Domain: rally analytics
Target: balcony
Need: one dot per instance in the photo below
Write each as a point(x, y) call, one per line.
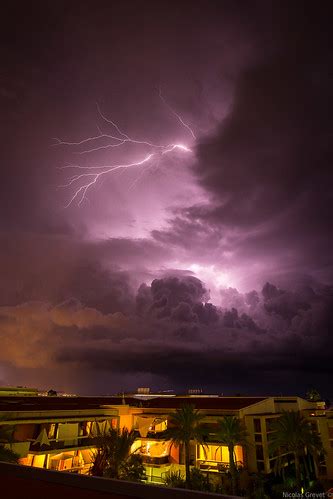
point(152, 435)
point(156, 461)
point(216, 466)
point(157, 435)
point(62, 444)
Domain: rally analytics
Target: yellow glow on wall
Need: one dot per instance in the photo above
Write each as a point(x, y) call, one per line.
point(219, 453)
point(38, 461)
point(126, 421)
point(162, 426)
point(27, 461)
point(239, 453)
point(151, 448)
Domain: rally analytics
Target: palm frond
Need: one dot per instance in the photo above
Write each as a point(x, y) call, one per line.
point(231, 431)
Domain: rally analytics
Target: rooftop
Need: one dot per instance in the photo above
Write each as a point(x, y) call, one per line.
point(19, 403)
point(25, 404)
point(221, 403)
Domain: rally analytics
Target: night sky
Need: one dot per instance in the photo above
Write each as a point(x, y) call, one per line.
point(166, 200)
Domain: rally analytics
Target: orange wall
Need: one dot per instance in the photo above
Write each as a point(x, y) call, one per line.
point(174, 454)
point(23, 432)
point(126, 422)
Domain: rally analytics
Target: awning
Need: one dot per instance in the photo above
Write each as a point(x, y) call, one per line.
point(42, 438)
point(144, 423)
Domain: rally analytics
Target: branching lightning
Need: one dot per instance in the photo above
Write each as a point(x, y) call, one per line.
point(177, 115)
point(84, 178)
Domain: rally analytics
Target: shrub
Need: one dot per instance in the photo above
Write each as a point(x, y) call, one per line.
point(132, 469)
point(174, 479)
point(199, 481)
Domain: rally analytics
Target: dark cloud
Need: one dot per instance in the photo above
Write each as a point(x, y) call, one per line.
point(280, 302)
point(187, 342)
point(269, 165)
point(57, 268)
point(306, 311)
point(178, 298)
point(221, 368)
point(184, 233)
point(267, 169)
point(159, 276)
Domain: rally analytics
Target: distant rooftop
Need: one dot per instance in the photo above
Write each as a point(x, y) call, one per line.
point(22, 403)
point(17, 390)
point(202, 402)
point(55, 403)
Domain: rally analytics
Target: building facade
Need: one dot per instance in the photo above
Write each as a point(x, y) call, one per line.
point(59, 433)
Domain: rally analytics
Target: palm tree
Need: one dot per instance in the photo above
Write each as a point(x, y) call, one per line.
point(313, 395)
point(6, 437)
point(232, 432)
point(294, 435)
point(113, 450)
point(99, 461)
point(185, 425)
point(7, 455)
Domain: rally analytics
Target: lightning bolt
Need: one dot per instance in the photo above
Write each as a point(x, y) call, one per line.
point(84, 178)
point(178, 116)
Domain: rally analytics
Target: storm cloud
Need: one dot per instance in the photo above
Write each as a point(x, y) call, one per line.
point(212, 268)
point(178, 337)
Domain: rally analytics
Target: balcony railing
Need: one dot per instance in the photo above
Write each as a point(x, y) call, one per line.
point(156, 461)
point(18, 481)
point(152, 435)
point(220, 466)
point(157, 435)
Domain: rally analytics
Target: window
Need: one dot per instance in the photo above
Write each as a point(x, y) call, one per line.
point(259, 453)
point(218, 453)
point(37, 430)
point(213, 453)
point(52, 432)
point(257, 425)
point(270, 424)
point(83, 431)
point(89, 428)
point(272, 463)
point(261, 466)
point(258, 438)
point(314, 426)
point(114, 423)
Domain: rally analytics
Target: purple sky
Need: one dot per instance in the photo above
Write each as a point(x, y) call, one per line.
point(158, 278)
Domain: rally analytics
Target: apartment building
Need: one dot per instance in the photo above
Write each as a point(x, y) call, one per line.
point(55, 432)
point(60, 432)
point(257, 414)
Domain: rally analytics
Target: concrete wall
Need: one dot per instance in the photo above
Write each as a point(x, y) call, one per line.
point(324, 425)
point(19, 482)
